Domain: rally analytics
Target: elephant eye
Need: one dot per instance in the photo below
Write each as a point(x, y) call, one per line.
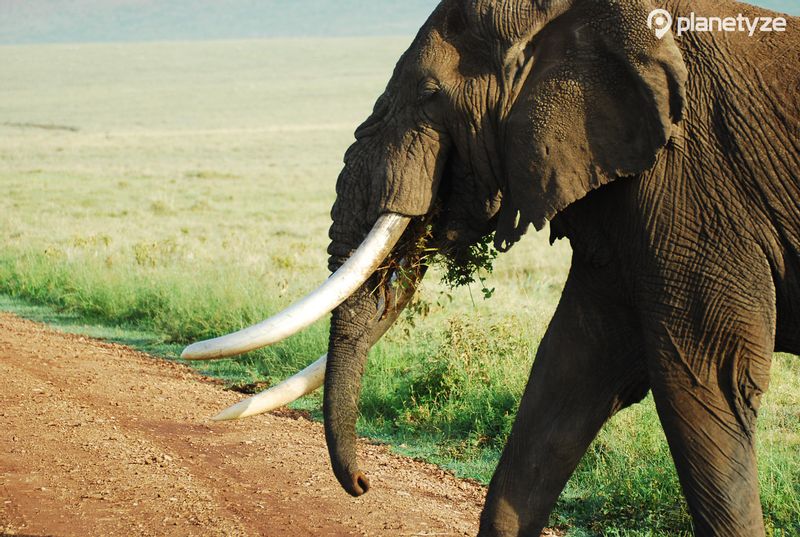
point(428, 88)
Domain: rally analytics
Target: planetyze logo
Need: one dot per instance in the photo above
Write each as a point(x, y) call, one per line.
point(661, 20)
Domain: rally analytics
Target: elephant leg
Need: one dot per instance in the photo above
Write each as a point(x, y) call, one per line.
point(589, 365)
point(709, 365)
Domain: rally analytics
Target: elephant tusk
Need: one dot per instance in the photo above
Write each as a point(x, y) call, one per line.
point(295, 387)
point(335, 290)
point(312, 377)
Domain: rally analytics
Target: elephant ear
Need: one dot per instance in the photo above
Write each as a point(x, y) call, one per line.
point(599, 102)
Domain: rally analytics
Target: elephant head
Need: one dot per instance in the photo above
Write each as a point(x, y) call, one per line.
point(499, 115)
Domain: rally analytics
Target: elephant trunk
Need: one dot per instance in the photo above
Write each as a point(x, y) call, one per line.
point(347, 356)
point(355, 326)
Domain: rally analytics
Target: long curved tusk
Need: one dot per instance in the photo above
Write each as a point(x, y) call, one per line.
point(335, 290)
point(313, 376)
point(295, 387)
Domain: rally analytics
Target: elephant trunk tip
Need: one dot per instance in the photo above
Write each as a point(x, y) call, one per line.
point(354, 483)
point(357, 485)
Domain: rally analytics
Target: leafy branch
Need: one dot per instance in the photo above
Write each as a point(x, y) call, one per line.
point(466, 264)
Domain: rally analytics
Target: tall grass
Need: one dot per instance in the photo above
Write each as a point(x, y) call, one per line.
point(186, 193)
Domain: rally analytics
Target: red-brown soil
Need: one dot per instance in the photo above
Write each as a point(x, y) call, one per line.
point(99, 439)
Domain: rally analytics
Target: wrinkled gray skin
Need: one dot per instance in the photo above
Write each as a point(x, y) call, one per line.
point(671, 166)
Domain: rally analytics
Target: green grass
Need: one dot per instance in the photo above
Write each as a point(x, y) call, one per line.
point(156, 194)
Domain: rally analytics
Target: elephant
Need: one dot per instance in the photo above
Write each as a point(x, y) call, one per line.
point(671, 165)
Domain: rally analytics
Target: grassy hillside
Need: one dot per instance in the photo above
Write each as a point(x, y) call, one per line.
point(184, 189)
point(34, 21)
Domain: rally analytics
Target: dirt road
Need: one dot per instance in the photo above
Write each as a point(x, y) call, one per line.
point(98, 439)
